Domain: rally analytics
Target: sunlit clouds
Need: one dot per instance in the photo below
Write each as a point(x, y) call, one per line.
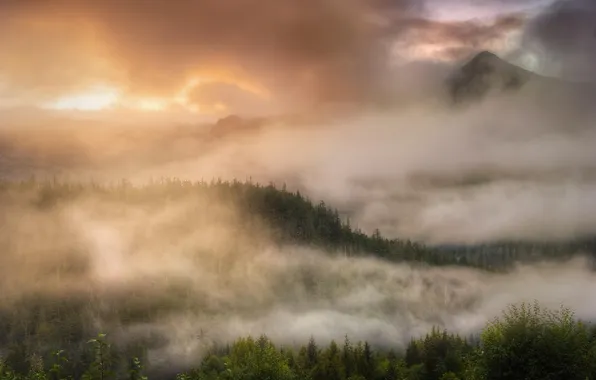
point(206, 57)
point(208, 94)
point(94, 100)
point(346, 101)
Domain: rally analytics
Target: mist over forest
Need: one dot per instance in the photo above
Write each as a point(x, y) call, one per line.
point(367, 171)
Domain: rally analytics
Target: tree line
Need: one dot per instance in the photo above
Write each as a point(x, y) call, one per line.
point(32, 325)
point(527, 342)
point(293, 218)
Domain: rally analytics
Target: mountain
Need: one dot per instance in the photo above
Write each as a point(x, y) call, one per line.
point(486, 74)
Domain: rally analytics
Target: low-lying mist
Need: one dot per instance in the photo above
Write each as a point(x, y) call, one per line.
point(507, 167)
point(327, 100)
point(183, 272)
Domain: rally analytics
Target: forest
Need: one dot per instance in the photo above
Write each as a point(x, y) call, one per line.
point(295, 219)
point(527, 342)
point(45, 334)
point(297, 190)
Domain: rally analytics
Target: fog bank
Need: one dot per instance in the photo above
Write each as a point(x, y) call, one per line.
point(185, 272)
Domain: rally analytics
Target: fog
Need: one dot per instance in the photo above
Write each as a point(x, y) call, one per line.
point(188, 271)
point(330, 102)
point(504, 168)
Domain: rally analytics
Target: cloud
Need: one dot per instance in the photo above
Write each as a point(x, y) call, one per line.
point(329, 52)
point(194, 272)
point(454, 40)
point(44, 58)
point(328, 48)
point(564, 39)
point(505, 168)
point(220, 98)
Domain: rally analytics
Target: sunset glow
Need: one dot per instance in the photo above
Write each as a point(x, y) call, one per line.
point(107, 97)
point(93, 100)
point(297, 190)
point(151, 104)
point(96, 56)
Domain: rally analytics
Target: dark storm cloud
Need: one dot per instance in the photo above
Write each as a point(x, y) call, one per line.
point(564, 38)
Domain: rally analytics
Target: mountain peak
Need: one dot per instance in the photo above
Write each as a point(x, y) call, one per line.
point(486, 72)
point(485, 62)
point(486, 56)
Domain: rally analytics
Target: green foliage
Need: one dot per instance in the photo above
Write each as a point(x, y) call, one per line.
point(36, 371)
point(100, 368)
point(329, 365)
point(530, 342)
point(436, 354)
point(57, 371)
point(7, 373)
point(136, 370)
point(449, 376)
point(256, 360)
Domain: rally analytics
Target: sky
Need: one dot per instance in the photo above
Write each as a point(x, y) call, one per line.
point(207, 58)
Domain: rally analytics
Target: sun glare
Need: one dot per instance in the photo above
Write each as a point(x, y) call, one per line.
point(151, 104)
point(106, 97)
point(95, 100)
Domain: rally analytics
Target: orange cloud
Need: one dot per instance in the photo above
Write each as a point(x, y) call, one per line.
point(45, 57)
point(331, 51)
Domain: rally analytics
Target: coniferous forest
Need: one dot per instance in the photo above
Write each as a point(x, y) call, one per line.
point(295, 219)
point(46, 335)
point(423, 203)
point(526, 342)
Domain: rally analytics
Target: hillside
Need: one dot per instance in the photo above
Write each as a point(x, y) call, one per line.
point(159, 266)
point(289, 217)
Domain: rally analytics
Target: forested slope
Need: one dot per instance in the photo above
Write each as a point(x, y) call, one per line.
point(293, 218)
point(53, 301)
